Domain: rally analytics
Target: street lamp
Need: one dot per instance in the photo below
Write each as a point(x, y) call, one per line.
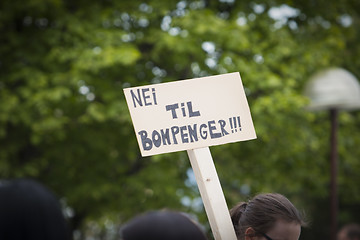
point(333, 89)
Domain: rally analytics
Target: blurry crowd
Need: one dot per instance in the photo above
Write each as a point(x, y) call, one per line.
point(30, 211)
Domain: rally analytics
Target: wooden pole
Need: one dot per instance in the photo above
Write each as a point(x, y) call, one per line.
point(211, 194)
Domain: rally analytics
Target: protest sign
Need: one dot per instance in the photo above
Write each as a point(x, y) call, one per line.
point(193, 115)
point(190, 114)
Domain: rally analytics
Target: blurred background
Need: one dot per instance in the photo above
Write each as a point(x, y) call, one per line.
point(64, 120)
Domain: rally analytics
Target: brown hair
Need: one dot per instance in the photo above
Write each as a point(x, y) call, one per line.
point(261, 213)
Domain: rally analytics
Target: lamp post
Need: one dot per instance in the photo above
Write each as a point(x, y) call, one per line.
point(333, 89)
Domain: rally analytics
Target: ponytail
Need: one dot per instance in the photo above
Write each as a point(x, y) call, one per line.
point(236, 213)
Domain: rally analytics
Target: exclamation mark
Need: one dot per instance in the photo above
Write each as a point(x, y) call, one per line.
point(235, 124)
point(231, 125)
point(238, 118)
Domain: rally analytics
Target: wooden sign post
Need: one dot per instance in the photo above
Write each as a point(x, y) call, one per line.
point(193, 115)
point(211, 193)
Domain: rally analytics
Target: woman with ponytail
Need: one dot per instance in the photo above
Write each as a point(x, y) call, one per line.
point(269, 216)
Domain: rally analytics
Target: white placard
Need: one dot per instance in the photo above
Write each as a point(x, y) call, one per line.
point(190, 114)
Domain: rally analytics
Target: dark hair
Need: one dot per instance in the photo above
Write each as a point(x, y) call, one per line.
point(29, 211)
point(162, 225)
point(261, 213)
point(351, 231)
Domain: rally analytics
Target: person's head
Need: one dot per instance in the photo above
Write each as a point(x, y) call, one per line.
point(349, 232)
point(162, 225)
point(265, 217)
point(29, 211)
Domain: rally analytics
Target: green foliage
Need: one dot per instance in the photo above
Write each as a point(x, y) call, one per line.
point(64, 120)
